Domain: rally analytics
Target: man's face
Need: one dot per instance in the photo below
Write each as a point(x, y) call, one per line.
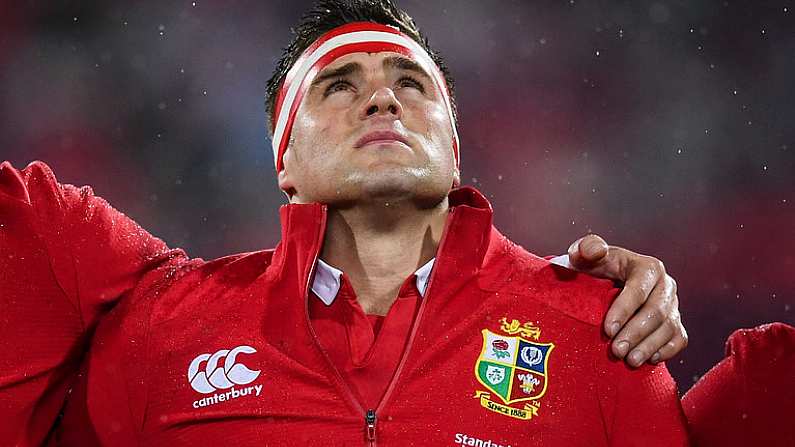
point(372, 127)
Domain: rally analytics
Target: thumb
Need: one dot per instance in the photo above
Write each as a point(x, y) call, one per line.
point(587, 251)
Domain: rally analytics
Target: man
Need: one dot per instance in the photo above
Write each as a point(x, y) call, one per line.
point(439, 331)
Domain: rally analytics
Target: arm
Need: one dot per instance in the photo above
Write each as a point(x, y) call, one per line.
point(644, 321)
point(66, 257)
point(748, 398)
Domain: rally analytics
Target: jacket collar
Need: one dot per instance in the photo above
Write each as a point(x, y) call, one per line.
point(461, 252)
point(328, 280)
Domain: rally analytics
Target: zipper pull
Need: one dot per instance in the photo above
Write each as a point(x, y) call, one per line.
point(369, 420)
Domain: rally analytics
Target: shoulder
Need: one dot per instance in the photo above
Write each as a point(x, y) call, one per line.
point(566, 291)
point(768, 343)
point(36, 182)
point(747, 398)
point(180, 288)
point(49, 203)
point(30, 191)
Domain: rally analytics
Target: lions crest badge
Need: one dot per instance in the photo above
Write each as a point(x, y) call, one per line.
point(513, 369)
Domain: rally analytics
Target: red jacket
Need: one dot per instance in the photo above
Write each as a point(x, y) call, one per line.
point(749, 397)
point(66, 257)
point(506, 348)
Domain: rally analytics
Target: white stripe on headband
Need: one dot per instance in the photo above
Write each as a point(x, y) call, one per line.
point(355, 37)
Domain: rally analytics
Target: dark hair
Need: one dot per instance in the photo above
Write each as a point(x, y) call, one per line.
point(329, 14)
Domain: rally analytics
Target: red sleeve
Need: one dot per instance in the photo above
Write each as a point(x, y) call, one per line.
point(749, 397)
point(66, 257)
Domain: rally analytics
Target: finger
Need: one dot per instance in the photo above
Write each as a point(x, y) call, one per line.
point(575, 245)
point(651, 344)
point(658, 306)
point(650, 317)
point(643, 277)
point(613, 265)
point(587, 251)
point(673, 346)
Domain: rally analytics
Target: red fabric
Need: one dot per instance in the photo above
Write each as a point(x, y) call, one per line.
point(749, 397)
point(376, 321)
point(162, 362)
point(66, 257)
point(365, 348)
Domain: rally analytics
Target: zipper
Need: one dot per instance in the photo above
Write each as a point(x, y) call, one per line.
point(369, 419)
point(369, 422)
point(417, 321)
point(371, 415)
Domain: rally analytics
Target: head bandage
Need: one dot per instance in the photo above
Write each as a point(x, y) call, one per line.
point(350, 38)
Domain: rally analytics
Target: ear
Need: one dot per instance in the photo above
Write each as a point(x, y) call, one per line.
point(286, 182)
point(456, 177)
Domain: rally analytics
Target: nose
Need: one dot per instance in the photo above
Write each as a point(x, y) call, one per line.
point(382, 102)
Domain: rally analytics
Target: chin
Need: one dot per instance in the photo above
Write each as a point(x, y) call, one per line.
point(399, 183)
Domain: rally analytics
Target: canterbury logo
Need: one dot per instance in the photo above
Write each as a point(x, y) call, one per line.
point(215, 377)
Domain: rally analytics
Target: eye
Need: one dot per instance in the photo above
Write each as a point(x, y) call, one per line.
point(337, 86)
point(411, 82)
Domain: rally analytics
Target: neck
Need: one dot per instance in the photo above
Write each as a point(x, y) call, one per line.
point(379, 245)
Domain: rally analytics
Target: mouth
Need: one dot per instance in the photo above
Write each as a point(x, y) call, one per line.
point(380, 137)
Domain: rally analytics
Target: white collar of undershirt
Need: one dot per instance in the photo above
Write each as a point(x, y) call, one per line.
point(327, 281)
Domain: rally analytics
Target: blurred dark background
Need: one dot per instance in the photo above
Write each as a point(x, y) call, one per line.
point(664, 126)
